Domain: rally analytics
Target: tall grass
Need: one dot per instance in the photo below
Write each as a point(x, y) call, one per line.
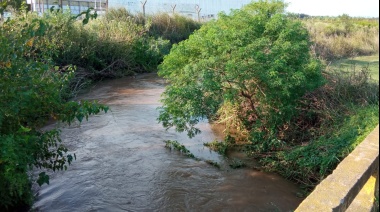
point(342, 37)
point(172, 27)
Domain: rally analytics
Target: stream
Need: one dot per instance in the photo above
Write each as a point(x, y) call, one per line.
point(122, 163)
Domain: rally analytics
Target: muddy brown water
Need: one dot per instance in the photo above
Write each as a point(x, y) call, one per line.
point(122, 163)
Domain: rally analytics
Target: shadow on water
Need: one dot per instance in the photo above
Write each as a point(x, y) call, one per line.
point(122, 164)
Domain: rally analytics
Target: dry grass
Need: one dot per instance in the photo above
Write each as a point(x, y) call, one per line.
point(336, 38)
point(167, 26)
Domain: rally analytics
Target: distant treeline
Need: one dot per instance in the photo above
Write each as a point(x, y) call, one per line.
point(303, 15)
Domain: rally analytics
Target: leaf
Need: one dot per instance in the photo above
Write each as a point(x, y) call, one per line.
point(23, 129)
point(80, 117)
point(52, 9)
point(85, 21)
point(43, 178)
point(30, 42)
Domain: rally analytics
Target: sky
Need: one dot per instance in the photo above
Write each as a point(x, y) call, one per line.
point(354, 8)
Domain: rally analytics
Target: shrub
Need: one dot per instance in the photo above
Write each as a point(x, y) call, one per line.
point(43, 61)
point(104, 48)
point(333, 120)
point(175, 28)
point(32, 91)
point(256, 58)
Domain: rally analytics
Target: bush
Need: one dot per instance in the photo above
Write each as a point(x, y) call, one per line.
point(333, 120)
point(255, 59)
point(175, 28)
point(103, 48)
point(45, 60)
point(32, 91)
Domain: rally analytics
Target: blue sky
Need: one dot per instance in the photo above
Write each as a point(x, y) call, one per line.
point(354, 8)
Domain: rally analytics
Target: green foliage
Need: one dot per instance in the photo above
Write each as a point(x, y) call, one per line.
point(256, 58)
point(180, 147)
point(236, 164)
point(311, 163)
point(177, 146)
point(10, 5)
point(334, 120)
point(114, 45)
point(220, 147)
point(32, 92)
point(103, 48)
point(175, 28)
point(44, 60)
point(213, 163)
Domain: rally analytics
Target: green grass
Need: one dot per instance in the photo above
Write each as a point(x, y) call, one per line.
point(310, 163)
point(362, 61)
point(339, 116)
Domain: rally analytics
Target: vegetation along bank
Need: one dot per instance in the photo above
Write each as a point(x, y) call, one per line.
point(264, 74)
point(268, 77)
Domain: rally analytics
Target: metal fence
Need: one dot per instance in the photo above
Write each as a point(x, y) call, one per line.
point(196, 9)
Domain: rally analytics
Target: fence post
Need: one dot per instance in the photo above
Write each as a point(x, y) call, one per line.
point(143, 6)
point(198, 9)
point(173, 8)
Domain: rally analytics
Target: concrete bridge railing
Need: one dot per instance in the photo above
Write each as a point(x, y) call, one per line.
point(353, 185)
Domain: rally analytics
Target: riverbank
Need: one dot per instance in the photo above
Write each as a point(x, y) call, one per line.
point(45, 60)
point(341, 114)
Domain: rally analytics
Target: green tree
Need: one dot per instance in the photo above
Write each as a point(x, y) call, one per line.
point(255, 59)
point(9, 4)
point(32, 91)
